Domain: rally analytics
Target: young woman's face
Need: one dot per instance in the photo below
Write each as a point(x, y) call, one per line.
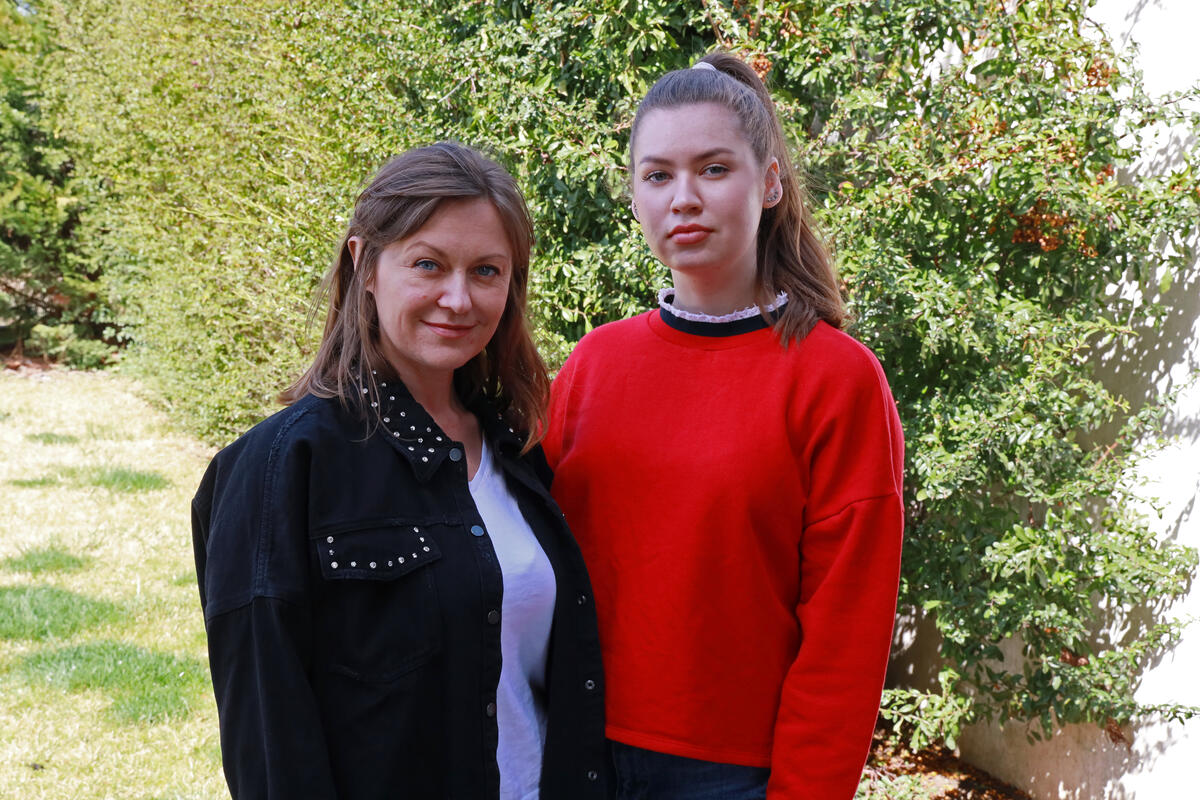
point(441, 291)
point(699, 191)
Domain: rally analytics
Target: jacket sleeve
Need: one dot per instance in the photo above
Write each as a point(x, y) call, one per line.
point(249, 525)
point(850, 569)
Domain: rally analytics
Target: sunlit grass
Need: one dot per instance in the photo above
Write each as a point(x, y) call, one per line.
point(104, 689)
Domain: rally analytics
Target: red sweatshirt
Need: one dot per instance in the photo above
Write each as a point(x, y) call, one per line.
point(739, 507)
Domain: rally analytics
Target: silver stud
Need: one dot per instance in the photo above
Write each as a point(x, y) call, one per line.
point(419, 439)
point(414, 555)
point(374, 404)
point(439, 438)
point(409, 449)
point(429, 430)
point(431, 449)
point(390, 563)
point(421, 538)
point(396, 434)
point(354, 563)
point(400, 559)
point(412, 427)
point(425, 458)
point(372, 565)
point(364, 390)
point(373, 372)
point(403, 414)
point(330, 540)
point(330, 552)
point(416, 529)
point(387, 419)
point(425, 548)
point(334, 565)
point(391, 397)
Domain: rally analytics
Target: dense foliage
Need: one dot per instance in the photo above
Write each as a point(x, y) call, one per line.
point(50, 299)
point(970, 164)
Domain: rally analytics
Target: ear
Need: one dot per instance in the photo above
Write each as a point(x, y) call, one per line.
point(773, 186)
point(633, 208)
point(355, 245)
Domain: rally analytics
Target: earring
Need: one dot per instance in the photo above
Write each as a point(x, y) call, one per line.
point(773, 197)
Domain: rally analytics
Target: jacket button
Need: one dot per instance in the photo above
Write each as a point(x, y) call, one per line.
point(589, 684)
point(456, 454)
point(592, 775)
point(582, 600)
point(493, 616)
point(490, 710)
point(476, 530)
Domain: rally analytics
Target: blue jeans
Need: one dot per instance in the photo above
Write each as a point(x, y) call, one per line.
point(638, 774)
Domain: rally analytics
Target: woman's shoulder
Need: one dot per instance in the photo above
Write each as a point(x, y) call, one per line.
point(616, 333)
point(309, 419)
point(832, 348)
point(838, 368)
point(608, 342)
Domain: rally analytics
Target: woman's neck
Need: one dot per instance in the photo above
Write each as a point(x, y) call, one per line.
point(714, 297)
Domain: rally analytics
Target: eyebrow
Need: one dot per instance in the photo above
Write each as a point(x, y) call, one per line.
point(442, 253)
point(707, 154)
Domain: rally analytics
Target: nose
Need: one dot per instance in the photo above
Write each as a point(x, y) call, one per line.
point(686, 197)
point(455, 295)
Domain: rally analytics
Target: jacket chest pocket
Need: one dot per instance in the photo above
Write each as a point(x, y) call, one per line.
point(378, 616)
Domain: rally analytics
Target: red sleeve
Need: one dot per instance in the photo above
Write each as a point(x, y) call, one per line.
point(850, 571)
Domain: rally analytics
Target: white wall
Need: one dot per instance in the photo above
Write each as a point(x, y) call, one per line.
point(1160, 761)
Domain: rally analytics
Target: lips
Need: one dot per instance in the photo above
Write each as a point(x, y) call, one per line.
point(448, 331)
point(688, 234)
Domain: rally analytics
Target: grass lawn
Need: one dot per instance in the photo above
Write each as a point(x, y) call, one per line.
point(104, 688)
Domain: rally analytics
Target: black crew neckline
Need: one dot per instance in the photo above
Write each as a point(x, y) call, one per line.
point(734, 327)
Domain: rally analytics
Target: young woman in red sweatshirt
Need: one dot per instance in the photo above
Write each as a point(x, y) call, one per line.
point(731, 465)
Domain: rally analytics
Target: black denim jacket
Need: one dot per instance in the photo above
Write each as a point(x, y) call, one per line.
point(352, 595)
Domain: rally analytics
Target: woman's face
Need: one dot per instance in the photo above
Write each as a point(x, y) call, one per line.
point(441, 291)
point(699, 191)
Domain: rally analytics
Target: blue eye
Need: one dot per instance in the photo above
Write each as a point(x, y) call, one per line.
point(715, 169)
point(426, 265)
point(657, 176)
point(487, 270)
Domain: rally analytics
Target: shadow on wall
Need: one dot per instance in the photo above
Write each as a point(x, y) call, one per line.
point(1165, 354)
point(1079, 762)
point(916, 644)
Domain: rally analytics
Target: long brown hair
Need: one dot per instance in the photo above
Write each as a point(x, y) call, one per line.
point(791, 255)
point(400, 199)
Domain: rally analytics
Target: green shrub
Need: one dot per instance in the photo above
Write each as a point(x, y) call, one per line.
point(45, 276)
point(65, 343)
point(970, 165)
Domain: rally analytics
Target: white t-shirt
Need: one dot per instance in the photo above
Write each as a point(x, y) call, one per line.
point(526, 613)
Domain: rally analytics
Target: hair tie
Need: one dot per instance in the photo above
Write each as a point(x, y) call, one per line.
point(704, 65)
